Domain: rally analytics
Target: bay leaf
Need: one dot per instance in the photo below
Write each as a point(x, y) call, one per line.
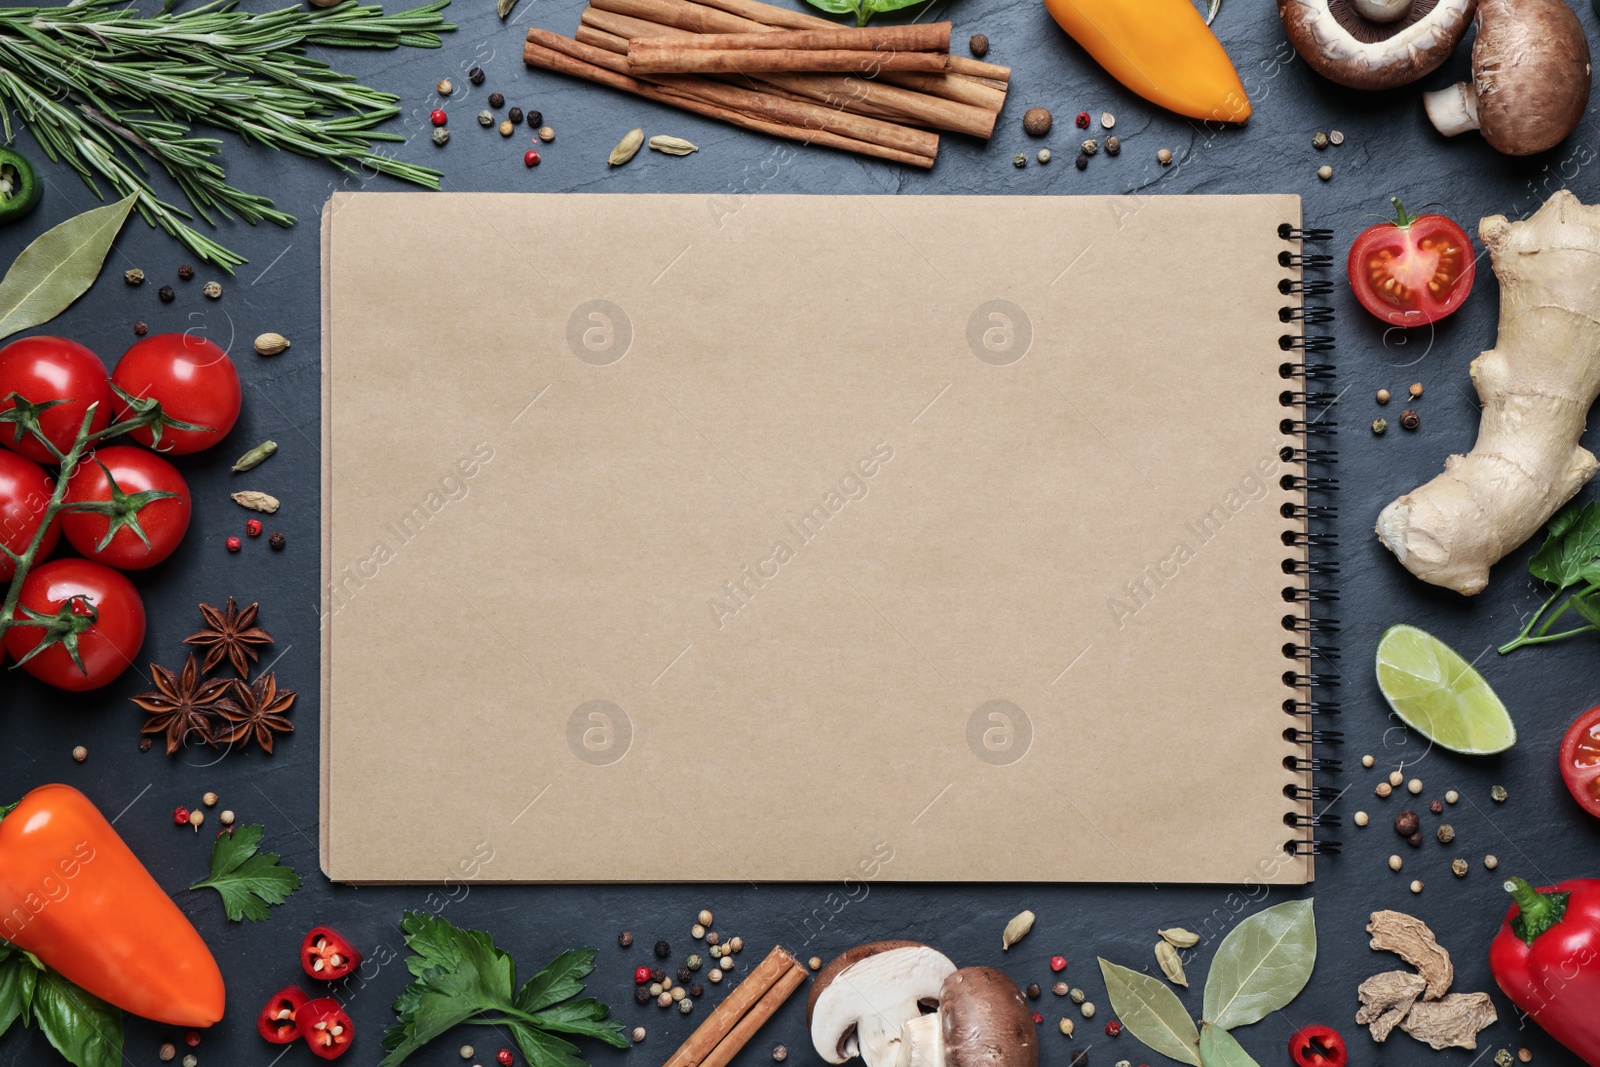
point(59, 266)
point(1261, 965)
point(1219, 1049)
point(1152, 1013)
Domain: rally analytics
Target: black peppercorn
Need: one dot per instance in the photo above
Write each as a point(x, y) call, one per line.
point(186, 272)
point(1082, 163)
point(1406, 823)
point(1415, 840)
point(978, 45)
point(144, 744)
point(166, 294)
point(697, 990)
point(1080, 1057)
point(1032, 991)
point(641, 994)
point(658, 975)
point(685, 976)
point(1409, 419)
point(276, 541)
point(475, 75)
point(625, 938)
point(663, 950)
point(497, 100)
point(535, 119)
point(140, 329)
point(515, 115)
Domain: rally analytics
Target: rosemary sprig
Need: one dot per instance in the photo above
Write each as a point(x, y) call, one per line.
point(104, 89)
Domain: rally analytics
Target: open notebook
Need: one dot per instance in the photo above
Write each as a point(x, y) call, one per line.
point(809, 537)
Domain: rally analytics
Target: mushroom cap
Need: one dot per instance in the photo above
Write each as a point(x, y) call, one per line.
point(985, 1022)
point(1344, 46)
point(873, 988)
point(1530, 68)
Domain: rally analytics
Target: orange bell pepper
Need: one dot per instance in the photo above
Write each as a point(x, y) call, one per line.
point(1161, 49)
point(73, 894)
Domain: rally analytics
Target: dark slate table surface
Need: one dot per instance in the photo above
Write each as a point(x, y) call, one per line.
point(1389, 150)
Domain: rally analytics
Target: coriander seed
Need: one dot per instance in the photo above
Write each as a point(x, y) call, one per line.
point(697, 931)
point(1416, 885)
point(638, 1034)
point(440, 136)
point(197, 819)
point(1490, 862)
point(475, 75)
point(546, 134)
point(678, 992)
point(1065, 1026)
point(166, 294)
point(1043, 155)
point(497, 100)
point(736, 944)
point(185, 272)
point(779, 1054)
point(226, 818)
point(134, 276)
point(1415, 390)
point(1361, 818)
point(79, 754)
point(1383, 396)
point(1335, 137)
point(815, 963)
point(444, 88)
point(166, 1052)
point(1445, 833)
point(712, 937)
point(1319, 140)
point(213, 290)
point(1325, 172)
point(714, 975)
point(486, 117)
point(1414, 787)
point(506, 128)
point(1019, 161)
point(1458, 867)
point(1367, 761)
point(978, 45)
point(1525, 1055)
point(1164, 156)
point(664, 1000)
point(705, 918)
point(1396, 778)
point(655, 989)
point(1379, 428)
point(1383, 789)
point(1113, 145)
point(1498, 794)
point(515, 116)
point(209, 800)
point(1036, 121)
point(625, 939)
point(1395, 863)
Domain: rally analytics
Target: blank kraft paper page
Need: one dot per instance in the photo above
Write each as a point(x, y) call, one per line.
point(806, 537)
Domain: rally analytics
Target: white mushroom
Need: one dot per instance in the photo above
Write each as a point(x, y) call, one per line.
point(862, 1000)
point(982, 1021)
point(1375, 44)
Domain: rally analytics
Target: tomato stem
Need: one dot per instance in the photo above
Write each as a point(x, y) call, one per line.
point(1402, 217)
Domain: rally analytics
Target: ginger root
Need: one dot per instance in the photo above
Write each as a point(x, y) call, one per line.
point(1536, 386)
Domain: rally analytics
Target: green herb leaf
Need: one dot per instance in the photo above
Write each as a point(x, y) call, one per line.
point(1571, 544)
point(545, 1050)
point(878, 7)
point(17, 980)
point(248, 881)
point(83, 1028)
point(837, 7)
point(561, 978)
point(1219, 1049)
point(59, 266)
point(1261, 965)
point(585, 1018)
point(1152, 1013)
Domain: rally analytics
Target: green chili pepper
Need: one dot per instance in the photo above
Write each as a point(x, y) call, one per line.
point(19, 186)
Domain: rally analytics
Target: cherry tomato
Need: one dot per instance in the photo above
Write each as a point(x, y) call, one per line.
point(25, 491)
point(1580, 760)
point(191, 379)
point(326, 1027)
point(144, 502)
point(276, 1021)
point(1414, 270)
point(93, 624)
point(42, 370)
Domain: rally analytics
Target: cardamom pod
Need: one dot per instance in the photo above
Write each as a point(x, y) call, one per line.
point(1016, 930)
point(672, 146)
point(256, 501)
point(1178, 937)
point(256, 456)
point(627, 147)
point(1171, 965)
point(270, 344)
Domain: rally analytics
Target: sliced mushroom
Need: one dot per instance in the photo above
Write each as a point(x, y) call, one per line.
point(1530, 78)
point(861, 1001)
point(1375, 44)
point(982, 1021)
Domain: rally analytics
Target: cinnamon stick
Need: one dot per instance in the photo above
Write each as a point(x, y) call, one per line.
point(735, 1007)
point(571, 57)
point(917, 37)
point(756, 1018)
point(645, 56)
point(862, 96)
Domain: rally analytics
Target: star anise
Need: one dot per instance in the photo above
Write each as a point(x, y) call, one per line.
point(183, 705)
point(231, 633)
point(261, 710)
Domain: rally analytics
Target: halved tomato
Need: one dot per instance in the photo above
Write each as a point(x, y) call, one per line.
point(1580, 760)
point(1414, 270)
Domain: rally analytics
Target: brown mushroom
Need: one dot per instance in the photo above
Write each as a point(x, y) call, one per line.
point(1375, 44)
point(861, 1001)
point(982, 1021)
point(1530, 78)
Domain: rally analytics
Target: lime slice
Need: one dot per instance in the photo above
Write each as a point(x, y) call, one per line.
point(1440, 695)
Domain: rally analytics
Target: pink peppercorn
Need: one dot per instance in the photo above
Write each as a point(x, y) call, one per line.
point(180, 816)
point(438, 118)
point(530, 158)
point(234, 544)
point(1058, 963)
point(1037, 1018)
point(253, 527)
point(1113, 1028)
point(1082, 120)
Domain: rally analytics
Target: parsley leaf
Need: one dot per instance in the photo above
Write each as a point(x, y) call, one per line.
point(247, 880)
point(461, 976)
point(1569, 559)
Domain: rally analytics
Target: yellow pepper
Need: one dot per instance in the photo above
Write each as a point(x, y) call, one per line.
point(1161, 49)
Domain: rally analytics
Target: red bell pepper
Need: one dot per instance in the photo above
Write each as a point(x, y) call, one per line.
point(276, 1021)
point(73, 894)
point(328, 955)
point(1546, 958)
point(326, 1027)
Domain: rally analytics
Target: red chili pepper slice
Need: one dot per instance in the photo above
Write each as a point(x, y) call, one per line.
point(327, 955)
point(326, 1027)
point(276, 1021)
point(1318, 1046)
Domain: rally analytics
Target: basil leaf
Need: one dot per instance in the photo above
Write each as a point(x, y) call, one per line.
point(83, 1028)
point(59, 266)
point(1219, 1049)
point(1261, 965)
point(874, 7)
point(1152, 1012)
point(17, 979)
point(837, 7)
point(561, 978)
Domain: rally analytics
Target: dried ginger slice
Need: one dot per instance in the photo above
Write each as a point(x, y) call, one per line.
point(1452, 1022)
point(1412, 941)
point(1385, 1000)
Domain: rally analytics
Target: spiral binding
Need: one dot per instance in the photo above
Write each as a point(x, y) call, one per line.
point(1309, 626)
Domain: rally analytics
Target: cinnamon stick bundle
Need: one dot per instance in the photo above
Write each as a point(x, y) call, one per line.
point(745, 1010)
point(670, 56)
